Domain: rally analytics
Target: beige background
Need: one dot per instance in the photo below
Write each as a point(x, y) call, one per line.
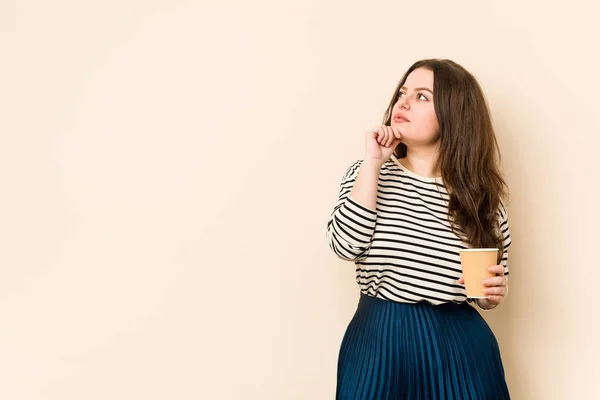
point(168, 168)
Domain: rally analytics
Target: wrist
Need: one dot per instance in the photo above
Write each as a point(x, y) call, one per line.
point(372, 163)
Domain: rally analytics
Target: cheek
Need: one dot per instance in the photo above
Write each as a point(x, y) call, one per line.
point(428, 123)
point(432, 119)
point(431, 126)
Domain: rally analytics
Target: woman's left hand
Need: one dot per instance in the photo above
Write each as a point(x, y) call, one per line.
point(496, 287)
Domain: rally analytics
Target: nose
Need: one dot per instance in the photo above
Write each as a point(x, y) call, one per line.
point(403, 103)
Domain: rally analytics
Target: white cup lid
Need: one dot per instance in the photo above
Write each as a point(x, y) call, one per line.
point(480, 250)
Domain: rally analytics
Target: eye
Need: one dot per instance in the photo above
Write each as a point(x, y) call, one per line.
point(422, 95)
point(400, 94)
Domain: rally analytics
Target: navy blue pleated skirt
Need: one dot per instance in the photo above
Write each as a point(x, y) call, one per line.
point(394, 351)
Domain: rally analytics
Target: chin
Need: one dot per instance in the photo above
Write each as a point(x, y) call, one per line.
point(406, 139)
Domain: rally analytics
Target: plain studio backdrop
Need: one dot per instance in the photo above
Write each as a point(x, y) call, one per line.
point(168, 168)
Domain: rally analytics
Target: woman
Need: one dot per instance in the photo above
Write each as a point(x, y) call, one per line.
point(428, 186)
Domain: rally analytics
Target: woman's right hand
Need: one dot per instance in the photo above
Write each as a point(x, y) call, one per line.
point(381, 141)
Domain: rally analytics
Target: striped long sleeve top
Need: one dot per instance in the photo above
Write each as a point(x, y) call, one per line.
point(404, 250)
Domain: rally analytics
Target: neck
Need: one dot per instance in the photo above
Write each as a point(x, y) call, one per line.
point(422, 161)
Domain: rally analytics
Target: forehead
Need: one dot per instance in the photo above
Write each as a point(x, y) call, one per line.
point(420, 77)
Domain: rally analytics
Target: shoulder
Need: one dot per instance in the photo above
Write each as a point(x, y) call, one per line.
point(352, 170)
point(503, 211)
point(503, 220)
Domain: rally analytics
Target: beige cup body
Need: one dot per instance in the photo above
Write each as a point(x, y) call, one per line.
point(475, 264)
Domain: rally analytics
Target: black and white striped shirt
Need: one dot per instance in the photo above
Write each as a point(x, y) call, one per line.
point(404, 250)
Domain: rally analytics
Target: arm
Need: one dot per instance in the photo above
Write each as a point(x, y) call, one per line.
point(364, 190)
point(351, 225)
point(502, 268)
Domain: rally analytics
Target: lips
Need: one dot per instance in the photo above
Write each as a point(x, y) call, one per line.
point(399, 117)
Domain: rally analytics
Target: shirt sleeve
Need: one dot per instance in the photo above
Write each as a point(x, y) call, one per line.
point(351, 225)
point(505, 232)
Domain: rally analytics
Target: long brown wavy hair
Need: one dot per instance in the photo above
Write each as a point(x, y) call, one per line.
point(469, 156)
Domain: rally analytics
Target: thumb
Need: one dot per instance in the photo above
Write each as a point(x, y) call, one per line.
point(395, 142)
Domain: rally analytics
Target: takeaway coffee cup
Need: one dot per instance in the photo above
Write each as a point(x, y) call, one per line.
point(475, 264)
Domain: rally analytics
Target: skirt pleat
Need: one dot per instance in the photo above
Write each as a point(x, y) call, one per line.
point(394, 351)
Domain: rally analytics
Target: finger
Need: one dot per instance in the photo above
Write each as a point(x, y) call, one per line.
point(386, 136)
point(383, 135)
point(461, 280)
point(390, 137)
point(496, 291)
point(495, 299)
point(394, 138)
point(496, 269)
point(397, 133)
point(495, 281)
point(380, 134)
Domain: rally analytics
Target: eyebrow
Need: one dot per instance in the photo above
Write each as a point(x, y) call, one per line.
point(419, 88)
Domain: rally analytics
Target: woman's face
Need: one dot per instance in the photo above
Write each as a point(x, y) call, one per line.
point(415, 103)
